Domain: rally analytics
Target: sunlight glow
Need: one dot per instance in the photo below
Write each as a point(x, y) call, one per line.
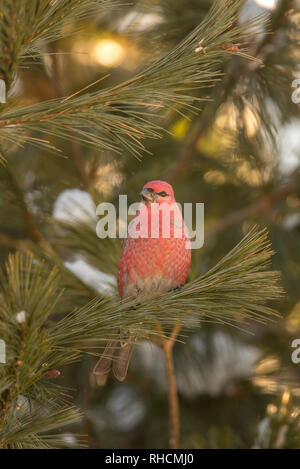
point(108, 52)
point(268, 4)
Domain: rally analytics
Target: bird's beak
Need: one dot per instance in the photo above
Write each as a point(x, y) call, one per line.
point(148, 195)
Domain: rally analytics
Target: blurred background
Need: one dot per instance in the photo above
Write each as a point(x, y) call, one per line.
point(240, 156)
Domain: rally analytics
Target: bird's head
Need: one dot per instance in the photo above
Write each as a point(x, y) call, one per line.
point(158, 191)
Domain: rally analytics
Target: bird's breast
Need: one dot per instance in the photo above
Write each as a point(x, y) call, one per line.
point(152, 265)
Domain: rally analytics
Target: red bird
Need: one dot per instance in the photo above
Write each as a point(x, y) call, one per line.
point(155, 259)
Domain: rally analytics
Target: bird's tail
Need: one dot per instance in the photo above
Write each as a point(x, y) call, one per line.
point(115, 358)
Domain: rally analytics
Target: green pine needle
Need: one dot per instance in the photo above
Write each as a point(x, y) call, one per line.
point(124, 116)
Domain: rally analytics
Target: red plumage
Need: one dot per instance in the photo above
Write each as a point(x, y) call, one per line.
point(155, 259)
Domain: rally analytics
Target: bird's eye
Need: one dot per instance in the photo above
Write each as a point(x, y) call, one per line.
point(162, 194)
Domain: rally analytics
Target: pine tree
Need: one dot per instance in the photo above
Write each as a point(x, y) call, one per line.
point(209, 88)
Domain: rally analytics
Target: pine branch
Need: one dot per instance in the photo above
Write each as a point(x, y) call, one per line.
point(235, 291)
point(28, 429)
point(41, 248)
point(27, 26)
point(264, 204)
point(236, 72)
point(122, 115)
point(76, 290)
point(81, 238)
point(28, 294)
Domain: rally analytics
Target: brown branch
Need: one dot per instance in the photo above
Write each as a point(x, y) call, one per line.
point(8, 33)
point(173, 396)
point(18, 245)
point(232, 75)
point(80, 166)
point(188, 153)
point(277, 20)
point(263, 205)
point(174, 416)
point(219, 96)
